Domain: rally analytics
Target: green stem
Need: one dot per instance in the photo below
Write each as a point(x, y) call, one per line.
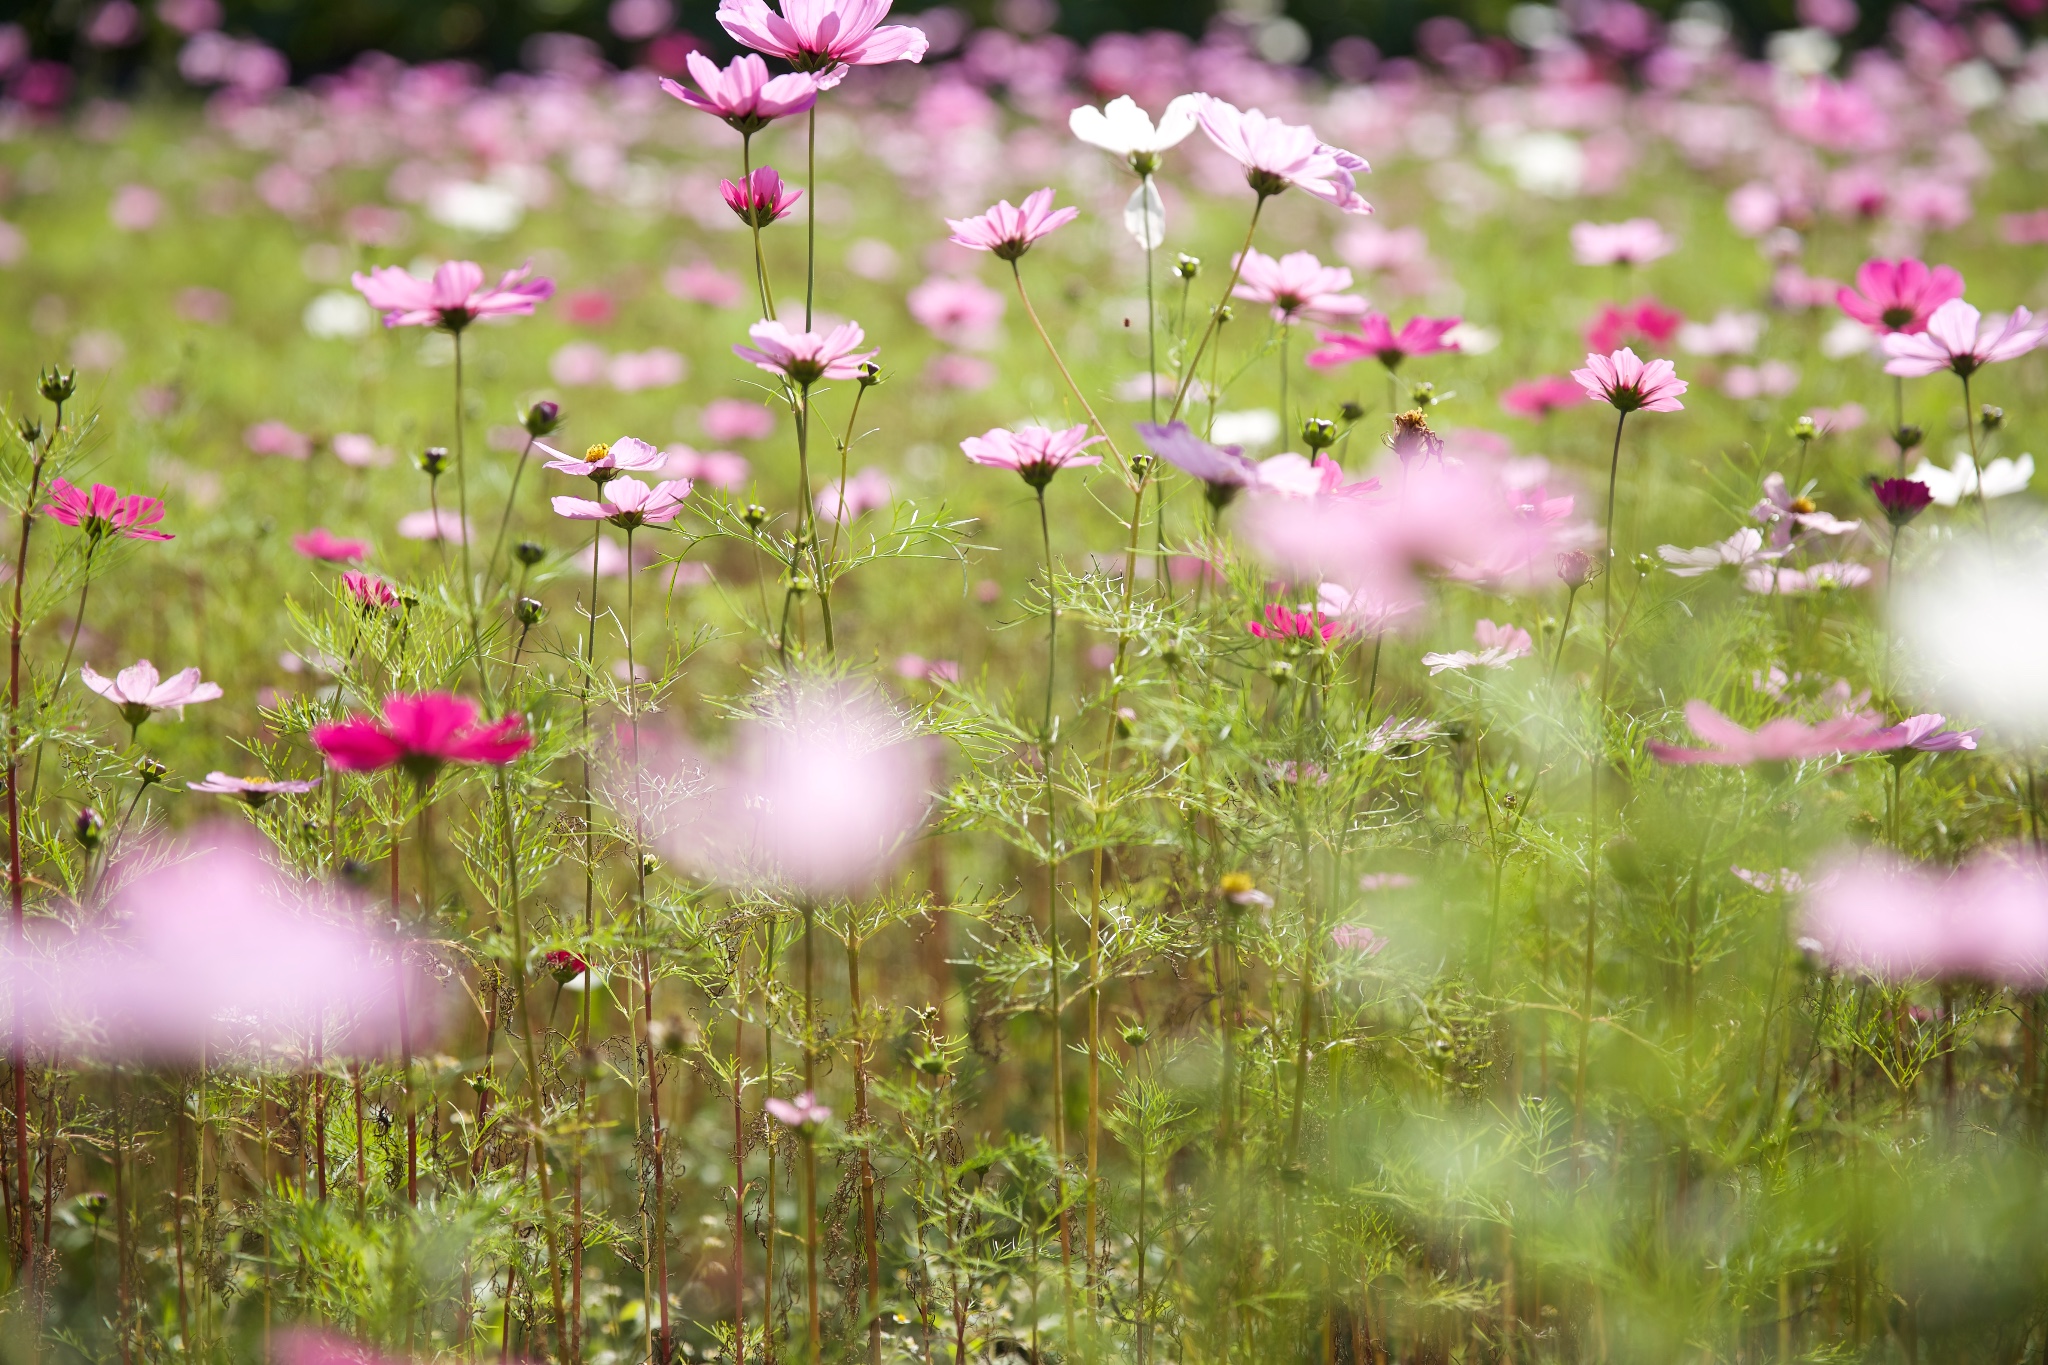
point(1216, 314)
point(1017, 274)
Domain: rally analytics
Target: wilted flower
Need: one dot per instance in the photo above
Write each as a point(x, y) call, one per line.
point(1036, 453)
point(139, 691)
point(1276, 155)
point(1008, 230)
point(104, 512)
point(455, 297)
point(420, 733)
point(1576, 568)
point(744, 94)
point(1783, 740)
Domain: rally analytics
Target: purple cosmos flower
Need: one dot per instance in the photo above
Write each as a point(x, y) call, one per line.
point(1224, 470)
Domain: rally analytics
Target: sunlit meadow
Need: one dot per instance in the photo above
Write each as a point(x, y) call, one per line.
point(1121, 704)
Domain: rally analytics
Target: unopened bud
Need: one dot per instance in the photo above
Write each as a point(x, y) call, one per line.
point(932, 1064)
point(1224, 313)
point(1136, 1035)
point(1142, 466)
point(1280, 671)
point(1423, 394)
point(149, 770)
point(1908, 437)
point(1576, 568)
point(799, 584)
point(1644, 565)
point(88, 828)
point(870, 374)
point(1318, 434)
point(1804, 429)
point(529, 552)
point(564, 966)
point(1351, 412)
point(649, 865)
point(356, 871)
point(433, 461)
point(754, 516)
point(57, 386)
point(541, 419)
point(30, 429)
point(530, 611)
point(93, 1205)
point(1186, 267)
point(1991, 418)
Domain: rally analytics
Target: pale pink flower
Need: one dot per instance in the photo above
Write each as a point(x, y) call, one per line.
point(806, 357)
point(1289, 475)
point(1836, 116)
point(1924, 734)
point(1827, 576)
point(968, 373)
point(864, 492)
point(1961, 339)
point(1297, 287)
point(1036, 453)
point(744, 94)
point(1276, 155)
point(1637, 241)
point(1223, 470)
point(322, 544)
point(443, 524)
point(358, 451)
point(275, 438)
point(703, 282)
point(762, 198)
point(254, 792)
point(1879, 916)
point(1630, 384)
point(657, 367)
point(1898, 296)
point(1783, 740)
point(1009, 230)
point(736, 419)
point(1770, 883)
point(455, 297)
point(918, 668)
point(1538, 398)
point(712, 468)
point(1376, 339)
point(628, 503)
point(823, 36)
point(1743, 550)
point(956, 311)
point(803, 1113)
point(1772, 379)
point(139, 691)
point(1358, 938)
point(1499, 646)
point(136, 208)
point(1786, 516)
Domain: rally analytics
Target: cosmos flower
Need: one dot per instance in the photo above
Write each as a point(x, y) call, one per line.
point(1635, 242)
point(1743, 550)
point(1008, 230)
point(1630, 384)
point(806, 357)
point(602, 463)
point(2001, 478)
point(1786, 516)
point(139, 691)
point(1924, 734)
point(1284, 623)
point(419, 733)
point(372, 592)
point(861, 493)
point(1898, 296)
point(628, 503)
point(329, 548)
point(1827, 576)
point(762, 198)
point(803, 1113)
point(1783, 740)
point(1499, 646)
point(1277, 155)
point(443, 524)
point(1297, 286)
point(1987, 921)
point(1123, 129)
point(104, 512)
point(1377, 340)
point(1036, 453)
point(1225, 471)
point(1901, 500)
point(744, 94)
point(1961, 339)
point(455, 297)
point(1538, 398)
point(823, 36)
point(251, 791)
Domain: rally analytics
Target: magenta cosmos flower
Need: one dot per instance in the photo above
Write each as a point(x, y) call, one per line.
point(1376, 339)
point(1276, 155)
point(371, 592)
point(1008, 230)
point(329, 548)
point(628, 503)
point(823, 36)
point(1297, 286)
point(1961, 339)
point(807, 357)
point(1635, 242)
point(601, 463)
point(761, 198)
point(1898, 296)
point(1630, 384)
point(1284, 623)
point(1784, 740)
point(455, 297)
point(744, 94)
point(1036, 453)
point(104, 512)
point(419, 733)
point(140, 691)
point(251, 791)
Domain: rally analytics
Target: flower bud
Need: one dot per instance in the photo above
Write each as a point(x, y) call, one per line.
point(149, 770)
point(1224, 313)
point(93, 1205)
point(1422, 395)
point(1142, 465)
point(1804, 429)
point(530, 611)
point(649, 865)
point(1907, 437)
point(1136, 1035)
point(529, 552)
point(357, 872)
point(754, 516)
point(1280, 671)
point(1644, 565)
point(564, 966)
point(932, 1064)
point(870, 374)
point(1901, 500)
point(1186, 267)
point(798, 583)
point(433, 461)
point(1318, 434)
point(541, 419)
point(1351, 412)
point(88, 828)
point(1991, 419)
point(57, 386)
point(30, 429)
point(1576, 568)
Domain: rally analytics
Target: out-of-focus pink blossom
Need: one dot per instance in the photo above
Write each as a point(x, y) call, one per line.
point(1036, 453)
point(1858, 192)
point(1796, 290)
point(1289, 475)
point(139, 691)
point(455, 297)
point(628, 503)
point(703, 282)
point(419, 734)
point(1538, 398)
point(744, 94)
point(1772, 379)
point(443, 524)
point(253, 792)
point(1848, 417)
point(1284, 623)
point(657, 367)
point(1874, 914)
point(968, 373)
point(1638, 241)
point(762, 198)
point(1730, 333)
point(1631, 385)
point(1499, 646)
point(376, 225)
point(322, 544)
point(276, 438)
point(1835, 16)
point(579, 364)
point(1359, 939)
point(590, 308)
point(208, 306)
point(1828, 576)
point(1836, 117)
point(1297, 287)
point(806, 357)
point(1961, 339)
point(101, 511)
point(1898, 296)
point(114, 24)
point(958, 312)
point(1277, 155)
point(2024, 229)
point(864, 492)
point(1743, 550)
point(1645, 321)
point(1924, 734)
point(1376, 339)
point(358, 451)
point(189, 16)
point(736, 419)
point(712, 468)
point(918, 668)
point(1783, 740)
point(1931, 203)
point(136, 208)
point(803, 1113)
point(1008, 230)
point(371, 592)
point(823, 36)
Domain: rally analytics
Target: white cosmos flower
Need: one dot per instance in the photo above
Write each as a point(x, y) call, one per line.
point(1742, 550)
point(2002, 476)
point(1122, 128)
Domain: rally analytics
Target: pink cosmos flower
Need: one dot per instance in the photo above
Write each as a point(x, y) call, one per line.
point(276, 438)
point(1036, 453)
point(713, 468)
point(628, 454)
point(1961, 339)
point(1377, 340)
point(140, 691)
point(2024, 229)
point(563, 965)
point(806, 357)
point(1785, 515)
point(1499, 646)
point(1828, 576)
point(1923, 734)
point(1224, 470)
point(1898, 296)
point(322, 544)
point(444, 524)
point(104, 512)
point(1008, 230)
point(823, 36)
point(1297, 286)
point(419, 733)
point(744, 94)
point(703, 282)
point(455, 297)
point(918, 668)
point(804, 1112)
point(1783, 740)
point(1359, 939)
point(736, 419)
point(1289, 475)
point(1743, 550)
point(762, 198)
point(1276, 155)
point(957, 312)
point(867, 491)
point(1645, 320)
point(1630, 384)
point(1283, 623)
point(1635, 242)
point(253, 792)
point(1538, 398)
point(358, 451)
point(370, 591)
point(1895, 921)
point(628, 503)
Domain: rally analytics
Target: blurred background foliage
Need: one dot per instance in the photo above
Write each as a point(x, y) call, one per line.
point(320, 35)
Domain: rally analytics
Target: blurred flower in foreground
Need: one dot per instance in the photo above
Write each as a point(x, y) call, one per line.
point(1898, 296)
point(1974, 627)
point(420, 733)
point(2001, 478)
point(1538, 398)
point(1277, 155)
point(1987, 921)
point(455, 297)
point(1783, 740)
point(1961, 339)
point(140, 692)
point(861, 493)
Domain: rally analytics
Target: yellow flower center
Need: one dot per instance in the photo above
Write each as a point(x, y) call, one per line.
point(1803, 505)
point(597, 452)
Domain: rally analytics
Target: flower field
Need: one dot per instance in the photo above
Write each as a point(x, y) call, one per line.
point(920, 693)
